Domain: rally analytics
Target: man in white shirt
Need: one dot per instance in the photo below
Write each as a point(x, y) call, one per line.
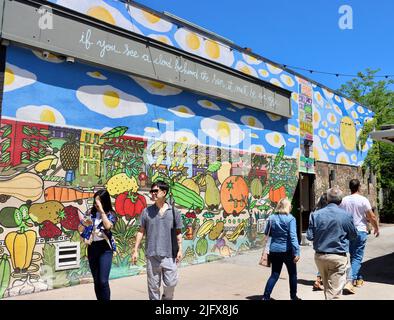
point(360, 209)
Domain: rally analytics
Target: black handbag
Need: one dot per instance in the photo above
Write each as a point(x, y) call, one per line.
point(175, 246)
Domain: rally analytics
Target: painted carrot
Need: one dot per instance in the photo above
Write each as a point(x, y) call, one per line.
point(63, 194)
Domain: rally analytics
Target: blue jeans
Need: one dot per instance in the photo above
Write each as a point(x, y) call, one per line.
point(100, 261)
point(277, 261)
point(356, 250)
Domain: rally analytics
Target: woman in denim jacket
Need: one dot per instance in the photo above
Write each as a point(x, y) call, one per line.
point(101, 243)
point(284, 247)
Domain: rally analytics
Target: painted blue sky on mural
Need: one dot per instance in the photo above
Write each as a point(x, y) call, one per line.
point(83, 96)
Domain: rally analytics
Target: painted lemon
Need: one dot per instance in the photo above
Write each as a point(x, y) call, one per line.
point(348, 133)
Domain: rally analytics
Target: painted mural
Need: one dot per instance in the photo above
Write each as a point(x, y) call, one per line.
point(222, 202)
point(74, 140)
point(68, 129)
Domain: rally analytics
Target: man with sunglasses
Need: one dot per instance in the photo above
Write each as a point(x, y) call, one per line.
point(157, 223)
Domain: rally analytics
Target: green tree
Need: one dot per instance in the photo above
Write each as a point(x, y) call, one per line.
point(377, 96)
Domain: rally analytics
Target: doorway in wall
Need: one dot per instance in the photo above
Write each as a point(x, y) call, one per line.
point(303, 202)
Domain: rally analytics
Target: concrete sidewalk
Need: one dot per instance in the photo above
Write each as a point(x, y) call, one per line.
point(240, 277)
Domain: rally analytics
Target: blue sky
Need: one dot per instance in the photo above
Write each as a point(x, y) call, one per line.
point(302, 33)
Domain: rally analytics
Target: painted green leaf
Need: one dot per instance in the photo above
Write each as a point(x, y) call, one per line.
point(279, 156)
point(120, 226)
point(115, 132)
point(5, 157)
point(7, 131)
point(214, 166)
point(277, 185)
point(6, 145)
point(61, 280)
point(208, 215)
point(5, 274)
point(129, 172)
point(253, 204)
point(26, 131)
point(265, 191)
point(49, 255)
point(264, 207)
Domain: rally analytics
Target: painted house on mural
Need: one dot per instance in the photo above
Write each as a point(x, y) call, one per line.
point(106, 93)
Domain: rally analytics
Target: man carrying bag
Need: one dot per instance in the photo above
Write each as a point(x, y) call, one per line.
point(162, 225)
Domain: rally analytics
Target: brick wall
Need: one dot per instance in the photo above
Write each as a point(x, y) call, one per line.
point(343, 174)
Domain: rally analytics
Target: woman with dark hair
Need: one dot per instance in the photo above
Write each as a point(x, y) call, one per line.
point(101, 244)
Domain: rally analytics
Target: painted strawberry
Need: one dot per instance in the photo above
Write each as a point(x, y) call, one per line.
point(49, 230)
point(69, 218)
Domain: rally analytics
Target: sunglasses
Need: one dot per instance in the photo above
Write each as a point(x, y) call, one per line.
point(154, 191)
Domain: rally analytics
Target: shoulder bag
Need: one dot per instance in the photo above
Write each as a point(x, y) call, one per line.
point(265, 257)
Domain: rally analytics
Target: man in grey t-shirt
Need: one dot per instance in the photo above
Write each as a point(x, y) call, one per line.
point(157, 223)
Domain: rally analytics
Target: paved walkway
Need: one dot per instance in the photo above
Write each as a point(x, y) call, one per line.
point(240, 277)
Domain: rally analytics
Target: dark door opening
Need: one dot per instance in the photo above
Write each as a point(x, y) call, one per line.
point(303, 202)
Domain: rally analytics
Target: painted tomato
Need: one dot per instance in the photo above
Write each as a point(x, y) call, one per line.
point(276, 195)
point(130, 204)
point(234, 194)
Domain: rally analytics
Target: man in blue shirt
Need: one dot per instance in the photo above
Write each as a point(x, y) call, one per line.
point(330, 229)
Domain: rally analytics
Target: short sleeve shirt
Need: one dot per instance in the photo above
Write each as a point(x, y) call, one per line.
point(158, 230)
point(357, 205)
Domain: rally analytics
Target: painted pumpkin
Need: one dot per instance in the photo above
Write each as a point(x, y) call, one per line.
point(234, 194)
point(130, 204)
point(276, 195)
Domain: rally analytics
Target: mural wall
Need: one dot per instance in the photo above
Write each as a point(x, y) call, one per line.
point(336, 121)
point(69, 129)
point(73, 140)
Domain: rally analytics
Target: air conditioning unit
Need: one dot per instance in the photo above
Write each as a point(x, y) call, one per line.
point(68, 255)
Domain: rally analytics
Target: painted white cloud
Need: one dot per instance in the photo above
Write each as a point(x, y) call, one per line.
point(318, 152)
point(162, 38)
point(43, 113)
point(273, 117)
point(156, 88)
point(292, 129)
point(96, 75)
point(223, 130)
point(287, 80)
point(183, 136)
point(275, 139)
point(208, 105)
point(245, 68)
point(100, 10)
point(273, 69)
point(182, 111)
point(110, 101)
point(250, 59)
point(257, 148)
point(207, 48)
point(15, 77)
point(149, 20)
point(252, 122)
point(342, 158)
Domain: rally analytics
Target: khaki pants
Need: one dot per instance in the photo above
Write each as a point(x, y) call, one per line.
point(332, 268)
point(159, 268)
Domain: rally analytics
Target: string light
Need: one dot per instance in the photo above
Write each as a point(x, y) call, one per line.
point(386, 76)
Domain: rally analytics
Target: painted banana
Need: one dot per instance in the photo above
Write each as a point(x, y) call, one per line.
point(205, 228)
point(234, 236)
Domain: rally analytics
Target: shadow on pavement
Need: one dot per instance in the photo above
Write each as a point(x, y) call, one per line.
point(305, 282)
point(379, 269)
point(258, 297)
